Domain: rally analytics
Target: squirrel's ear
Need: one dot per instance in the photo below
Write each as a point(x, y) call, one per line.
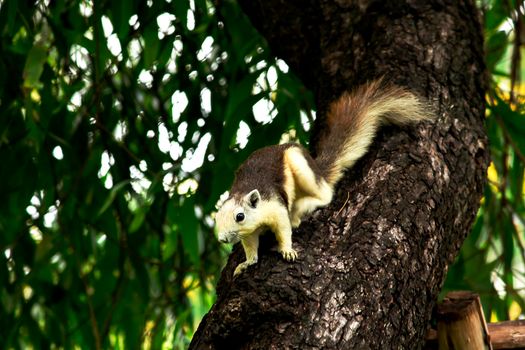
point(253, 198)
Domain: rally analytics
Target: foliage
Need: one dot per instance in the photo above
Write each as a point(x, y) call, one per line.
point(119, 132)
point(492, 259)
point(128, 119)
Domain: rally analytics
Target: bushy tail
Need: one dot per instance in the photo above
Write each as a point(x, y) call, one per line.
point(353, 120)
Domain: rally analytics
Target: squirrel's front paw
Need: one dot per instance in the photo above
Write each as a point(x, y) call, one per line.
point(239, 269)
point(242, 266)
point(289, 254)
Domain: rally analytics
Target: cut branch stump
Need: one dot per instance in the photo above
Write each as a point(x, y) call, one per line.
point(461, 325)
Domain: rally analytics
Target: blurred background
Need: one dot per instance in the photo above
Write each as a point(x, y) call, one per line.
point(121, 125)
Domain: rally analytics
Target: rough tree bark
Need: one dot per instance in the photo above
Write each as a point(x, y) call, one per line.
point(372, 263)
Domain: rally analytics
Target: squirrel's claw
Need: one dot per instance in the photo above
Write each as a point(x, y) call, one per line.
point(289, 254)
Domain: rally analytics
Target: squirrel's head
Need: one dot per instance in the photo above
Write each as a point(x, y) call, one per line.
point(238, 217)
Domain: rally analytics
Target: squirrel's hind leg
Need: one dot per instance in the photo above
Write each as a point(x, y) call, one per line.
point(307, 204)
point(307, 190)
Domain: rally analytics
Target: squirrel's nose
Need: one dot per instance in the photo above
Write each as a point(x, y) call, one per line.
point(223, 240)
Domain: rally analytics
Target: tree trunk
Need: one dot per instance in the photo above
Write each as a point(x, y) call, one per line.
point(372, 263)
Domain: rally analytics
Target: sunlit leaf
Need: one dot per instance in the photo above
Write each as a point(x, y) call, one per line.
point(498, 12)
point(34, 66)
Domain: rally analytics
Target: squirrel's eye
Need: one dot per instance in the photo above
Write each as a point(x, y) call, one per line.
point(239, 217)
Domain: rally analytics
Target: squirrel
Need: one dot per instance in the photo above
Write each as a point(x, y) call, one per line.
point(278, 185)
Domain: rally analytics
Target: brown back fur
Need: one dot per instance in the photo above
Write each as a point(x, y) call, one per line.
point(263, 170)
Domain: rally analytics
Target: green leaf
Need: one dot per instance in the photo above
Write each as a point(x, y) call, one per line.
point(189, 230)
point(508, 232)
point(151, 45)
point(180, 9)
point(239, 92)
point(496, 14)
point(121, 13)
point(496, 45)
point(34, 66)
point(187, 227)
point(138, 220)
point(112, 195)
point(513, 123)
point(8, 16)
point(169, 245)
point(515, 178)
point(470, 245)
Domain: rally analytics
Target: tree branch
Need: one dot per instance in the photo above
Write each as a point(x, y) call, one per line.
point(368, 277)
